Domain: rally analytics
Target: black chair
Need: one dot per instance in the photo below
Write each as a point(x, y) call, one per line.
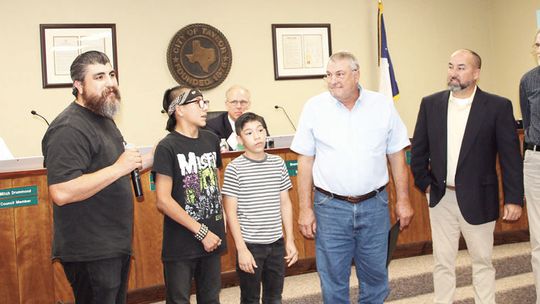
point(213, 114)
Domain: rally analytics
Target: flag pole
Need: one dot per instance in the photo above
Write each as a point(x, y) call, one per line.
point(379, 13)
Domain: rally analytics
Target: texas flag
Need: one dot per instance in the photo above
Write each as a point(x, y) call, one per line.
point(387, 82)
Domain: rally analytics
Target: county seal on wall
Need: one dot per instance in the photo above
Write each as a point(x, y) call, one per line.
point(199, 56)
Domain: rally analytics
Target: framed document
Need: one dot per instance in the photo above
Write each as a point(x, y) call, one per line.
point(300, 50)
point(61, 43)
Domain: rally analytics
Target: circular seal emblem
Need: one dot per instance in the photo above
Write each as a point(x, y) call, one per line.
point(199, 56)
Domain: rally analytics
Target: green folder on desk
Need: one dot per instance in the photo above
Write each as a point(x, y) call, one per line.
point(392, 242)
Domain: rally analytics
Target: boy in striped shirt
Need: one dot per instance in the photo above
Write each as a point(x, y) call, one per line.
point(258, 208)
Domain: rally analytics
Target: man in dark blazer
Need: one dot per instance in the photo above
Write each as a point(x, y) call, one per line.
point(237, 102)
point(458, 135)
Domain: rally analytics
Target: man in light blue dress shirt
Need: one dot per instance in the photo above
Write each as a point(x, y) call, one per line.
point(344, 139)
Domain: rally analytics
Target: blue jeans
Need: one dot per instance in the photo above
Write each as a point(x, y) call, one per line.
point(179, 275)
point(270, 272)
point(347, 232)
point(99, 282)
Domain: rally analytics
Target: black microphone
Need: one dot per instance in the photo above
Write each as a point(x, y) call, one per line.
point(135, 178)
point(136, 181)
point(284, 111)
point(36, 114)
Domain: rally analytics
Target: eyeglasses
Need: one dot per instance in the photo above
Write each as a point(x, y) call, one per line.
point(340, 75)
point(202, 103)
point(235, 103)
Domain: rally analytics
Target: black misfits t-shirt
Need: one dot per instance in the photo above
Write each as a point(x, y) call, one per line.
point(192, 164)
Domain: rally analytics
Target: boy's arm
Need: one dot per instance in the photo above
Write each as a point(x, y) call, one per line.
point(246, 262)
point(287, 218)
point(168, 206)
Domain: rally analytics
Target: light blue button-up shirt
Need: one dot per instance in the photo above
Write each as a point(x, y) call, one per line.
point(350, 147)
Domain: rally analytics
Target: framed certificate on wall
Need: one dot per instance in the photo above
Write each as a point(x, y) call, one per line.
point(61, 43)
point(300, 50)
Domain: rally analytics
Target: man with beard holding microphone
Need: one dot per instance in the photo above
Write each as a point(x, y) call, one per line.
point(88, 172)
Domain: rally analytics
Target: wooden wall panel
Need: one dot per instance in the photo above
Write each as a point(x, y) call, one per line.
point(146, 267)
point(33, 239)
point(501, 225)
point(228, 260)
point(9, 288)
point(29, 276)
point(419, 229)
point(302, 244)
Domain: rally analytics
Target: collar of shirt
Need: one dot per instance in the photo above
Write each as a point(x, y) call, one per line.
point(356, 103)
point(233, 126)
point(462, 101)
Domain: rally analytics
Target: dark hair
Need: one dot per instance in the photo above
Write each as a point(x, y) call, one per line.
point(476, 58)
point(168, 97)
point(245, 118)
point(78, 67)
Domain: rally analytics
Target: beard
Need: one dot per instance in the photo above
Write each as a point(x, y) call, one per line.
point(459, 86)
point(105, 104)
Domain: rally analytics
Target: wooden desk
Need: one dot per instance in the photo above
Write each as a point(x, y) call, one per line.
point(29, 276)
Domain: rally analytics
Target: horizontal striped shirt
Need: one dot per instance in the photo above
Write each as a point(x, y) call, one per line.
point(257, 186)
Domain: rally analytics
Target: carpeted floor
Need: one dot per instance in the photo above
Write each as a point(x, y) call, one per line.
point(513, 273)
point(411, 281)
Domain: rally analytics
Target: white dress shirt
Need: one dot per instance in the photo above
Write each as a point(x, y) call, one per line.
point(350, 147)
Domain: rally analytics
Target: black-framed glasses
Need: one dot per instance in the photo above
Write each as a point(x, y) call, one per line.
point(202, 103)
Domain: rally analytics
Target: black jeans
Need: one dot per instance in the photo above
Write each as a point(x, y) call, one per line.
point(99, 282)
point(270, 272)
point(179, 274)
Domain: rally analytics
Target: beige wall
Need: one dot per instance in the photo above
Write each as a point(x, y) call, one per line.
point(421, 34)
point(512, 32)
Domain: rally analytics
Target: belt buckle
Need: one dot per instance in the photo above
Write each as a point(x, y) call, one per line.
point(354, 199)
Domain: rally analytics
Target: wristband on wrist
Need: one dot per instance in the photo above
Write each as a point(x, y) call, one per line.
point(203, 231)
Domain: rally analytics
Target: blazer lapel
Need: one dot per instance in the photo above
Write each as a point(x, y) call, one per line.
point(473, 124)
point(442, 118)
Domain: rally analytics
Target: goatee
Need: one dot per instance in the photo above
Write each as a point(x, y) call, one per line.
point(458, 86)
point(104, 104)
point(454, 87)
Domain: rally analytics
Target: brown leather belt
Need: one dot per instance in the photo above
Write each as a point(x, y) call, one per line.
point(451, 187)
point(351, 199)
